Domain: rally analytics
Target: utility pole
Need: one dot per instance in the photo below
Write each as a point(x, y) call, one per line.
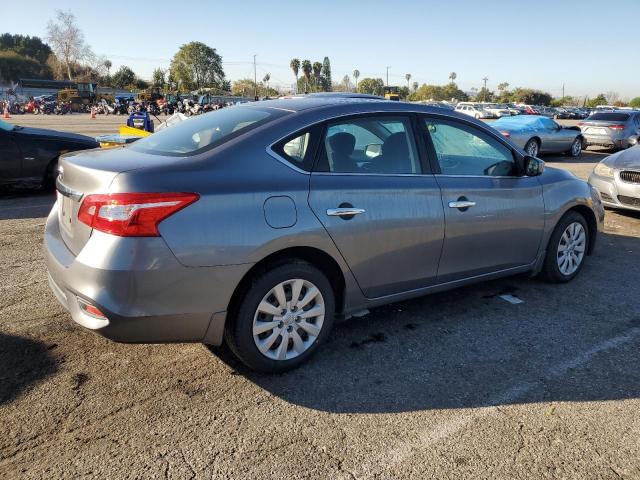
point(563, 91)
point(255, 80)
point(484, 91)
point(388, 76)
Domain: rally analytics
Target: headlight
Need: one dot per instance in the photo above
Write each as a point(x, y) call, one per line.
point(603, 171)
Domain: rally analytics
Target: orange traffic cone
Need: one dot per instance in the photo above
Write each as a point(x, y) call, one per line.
point(6, 112)
point(93, 112)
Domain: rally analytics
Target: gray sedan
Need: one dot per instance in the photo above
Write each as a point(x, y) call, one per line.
point(617, 178)
point(619, 129)
point(257, 225)
point(538, 134)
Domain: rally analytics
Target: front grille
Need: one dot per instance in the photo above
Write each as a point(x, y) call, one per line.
point(630, 176)
point(631, 201)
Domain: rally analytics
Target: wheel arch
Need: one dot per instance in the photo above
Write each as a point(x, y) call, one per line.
point(592, 224)
point(316, 257)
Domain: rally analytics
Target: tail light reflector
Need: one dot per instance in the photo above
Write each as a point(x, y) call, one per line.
point(616, 127)
point(132, 214)
point(90, 309)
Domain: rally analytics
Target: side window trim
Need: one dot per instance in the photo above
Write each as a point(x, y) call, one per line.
point(433, 156)
point(316, 131)
point(409, 116)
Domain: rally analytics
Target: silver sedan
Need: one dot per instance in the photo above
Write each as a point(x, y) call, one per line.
point(537, 134)
point(617, 178)
point(257, 225)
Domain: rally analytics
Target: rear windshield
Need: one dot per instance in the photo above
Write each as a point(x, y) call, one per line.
point(206, 131)
point(610, 117)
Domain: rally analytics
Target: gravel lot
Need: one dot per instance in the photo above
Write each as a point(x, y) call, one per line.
point(455, 385)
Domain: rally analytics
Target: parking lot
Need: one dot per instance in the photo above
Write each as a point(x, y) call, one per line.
point(461, 384)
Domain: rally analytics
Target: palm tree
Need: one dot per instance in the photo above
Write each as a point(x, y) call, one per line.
point(266, 79)
point(453, 76)
point(503, 86)
point(408, 77)
point(356, 74)
point(317, 70)
point(415, 86)
point(295, 66)
point(306, 70)
point(107, 64)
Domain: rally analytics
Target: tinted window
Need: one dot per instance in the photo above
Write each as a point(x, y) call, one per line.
point(369, 145)
point(610, 117)
point(205, 131)
point(463, 150)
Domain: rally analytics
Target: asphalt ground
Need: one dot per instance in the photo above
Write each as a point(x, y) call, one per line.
point(461, 384)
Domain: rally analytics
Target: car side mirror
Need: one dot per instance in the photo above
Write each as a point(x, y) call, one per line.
point(373, 150)
point(533, 166)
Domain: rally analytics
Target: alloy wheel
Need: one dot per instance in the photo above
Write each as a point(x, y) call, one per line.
point(571, 248)
point(532, 148)
point(576, 147)
point(289, 319)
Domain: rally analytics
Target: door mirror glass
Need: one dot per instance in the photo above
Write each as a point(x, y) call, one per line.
point(533, 166)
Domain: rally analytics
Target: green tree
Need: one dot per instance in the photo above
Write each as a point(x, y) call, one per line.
point(414, 86)
point(635, 102)
point(356, 74)
point(295, 68)
point(307, 69)
point(197, 65)
point(599, 100)
point(326, 74)
point(453, 76)
point(123, 78)
point(317, 72)
point(407, 77)
point(530, 96)
point(372, 86)
point(32, 47)
point(158, 78)
point(14, 66)
point(484, 95)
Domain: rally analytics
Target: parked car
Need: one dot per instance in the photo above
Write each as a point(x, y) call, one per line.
point(258, 224)
point(617, 178)
point(528, 110)
point(474, 110)
point(618, 129)
point(537, 134)
point(497, 110)
point(28, 156)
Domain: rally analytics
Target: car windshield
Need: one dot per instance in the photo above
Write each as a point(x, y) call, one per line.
point(206, 131)
point(610, 117)
point(7, 127)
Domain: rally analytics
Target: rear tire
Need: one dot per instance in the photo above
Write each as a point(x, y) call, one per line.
point(268, 315)
point(567, 249)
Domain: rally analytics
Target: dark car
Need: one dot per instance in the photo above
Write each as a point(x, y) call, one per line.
point(29, 156)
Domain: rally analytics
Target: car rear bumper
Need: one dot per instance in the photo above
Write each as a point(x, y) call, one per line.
point(615, 193)
point(605, 141)
point(146, 295)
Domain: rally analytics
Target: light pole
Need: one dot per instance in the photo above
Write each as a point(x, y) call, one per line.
point(484, 91)
point(388, 76)
point(255, 80)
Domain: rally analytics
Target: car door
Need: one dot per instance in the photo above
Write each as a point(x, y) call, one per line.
point(494, 218)
point(377, 202)
point(10, 157)
point(556, 139)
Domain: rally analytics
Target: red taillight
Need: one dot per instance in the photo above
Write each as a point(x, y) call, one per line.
point(580, 124)
point(506, 134)
point(90, 309)
point(616, 127)
point(131, 214)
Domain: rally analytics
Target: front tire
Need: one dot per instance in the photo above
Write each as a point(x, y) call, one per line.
point(567, 249)
point(532, 147)
point(282, 318)
point(576, 148)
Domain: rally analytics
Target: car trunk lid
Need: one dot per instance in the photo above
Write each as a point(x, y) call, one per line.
point(86, 172)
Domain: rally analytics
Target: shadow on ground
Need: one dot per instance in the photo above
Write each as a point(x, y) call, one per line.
point(23, 363)
point(469, 348)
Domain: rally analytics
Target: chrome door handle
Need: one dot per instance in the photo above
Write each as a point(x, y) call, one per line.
point(345, 212)
point(462, 204)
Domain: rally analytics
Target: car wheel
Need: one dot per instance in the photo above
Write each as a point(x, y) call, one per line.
point(532, 147)
point(576, 148)
point(567, 249)
point(283, 317)
point(50, 175)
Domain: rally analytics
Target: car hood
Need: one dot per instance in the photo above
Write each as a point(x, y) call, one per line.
point(56, 135)
point(629, 158)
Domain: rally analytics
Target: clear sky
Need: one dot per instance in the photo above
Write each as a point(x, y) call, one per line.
point(591, 46)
